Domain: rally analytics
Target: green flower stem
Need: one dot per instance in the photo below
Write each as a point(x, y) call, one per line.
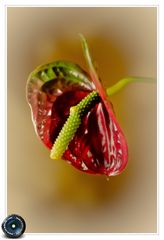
point(72, 124)
point(91, 68)
point(123, 82)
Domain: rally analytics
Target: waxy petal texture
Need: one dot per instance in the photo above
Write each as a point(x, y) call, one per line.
point(99, 146)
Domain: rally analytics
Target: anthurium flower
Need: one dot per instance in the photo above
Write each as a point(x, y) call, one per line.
point(73, 117)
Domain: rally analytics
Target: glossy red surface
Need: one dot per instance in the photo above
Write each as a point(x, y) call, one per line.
point(98, 147)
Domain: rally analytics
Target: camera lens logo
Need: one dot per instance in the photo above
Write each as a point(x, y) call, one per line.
point(13, 226)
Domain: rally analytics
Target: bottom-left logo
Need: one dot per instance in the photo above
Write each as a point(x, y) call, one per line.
point(13, 226)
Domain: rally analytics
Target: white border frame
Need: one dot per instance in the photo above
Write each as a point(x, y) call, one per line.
point(3, 97)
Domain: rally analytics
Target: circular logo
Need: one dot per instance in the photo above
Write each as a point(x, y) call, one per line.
point(13, 226)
